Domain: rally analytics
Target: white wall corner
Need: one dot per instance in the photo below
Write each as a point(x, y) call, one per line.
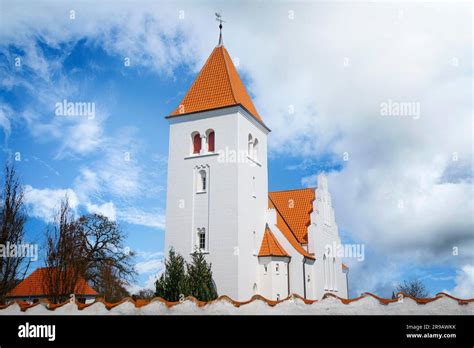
point(271, 218)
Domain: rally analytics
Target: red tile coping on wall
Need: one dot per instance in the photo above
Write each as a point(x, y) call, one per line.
point(141, 302)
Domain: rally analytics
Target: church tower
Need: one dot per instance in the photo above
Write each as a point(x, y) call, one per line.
point(217, 195)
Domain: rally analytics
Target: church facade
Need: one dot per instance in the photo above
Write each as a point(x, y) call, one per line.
point(259, 242)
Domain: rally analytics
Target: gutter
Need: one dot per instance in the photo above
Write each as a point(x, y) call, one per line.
point(288, 272)
point(304, 277)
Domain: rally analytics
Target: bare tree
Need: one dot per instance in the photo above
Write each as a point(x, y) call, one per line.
point(414, 287)
point(111, 287)
point(91, 247)
point(12, 220)
point(144, 294)
point(104, 253)
point(64, 256)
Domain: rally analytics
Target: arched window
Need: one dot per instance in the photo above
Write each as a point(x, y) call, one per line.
point(250, 146)
point(196, 143)
point(210, 141)
point(202, 239)
point(202, 181)
point(255, 149)
point(277, 268)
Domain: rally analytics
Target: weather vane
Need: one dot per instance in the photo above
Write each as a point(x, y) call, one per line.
point(220, 20)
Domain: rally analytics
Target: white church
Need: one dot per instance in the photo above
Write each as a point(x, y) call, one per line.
point(259, 242)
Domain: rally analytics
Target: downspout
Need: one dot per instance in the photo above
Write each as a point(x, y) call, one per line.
point(288, 272)
point(347, 283)
point(304, 277)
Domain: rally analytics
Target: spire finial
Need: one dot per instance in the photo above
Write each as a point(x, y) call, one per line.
point(220, 20)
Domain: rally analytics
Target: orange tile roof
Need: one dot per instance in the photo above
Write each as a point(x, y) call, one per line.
point(217, 85)
point(270, 245)
point(32, 286)
point(283, 227)
point(294, 208)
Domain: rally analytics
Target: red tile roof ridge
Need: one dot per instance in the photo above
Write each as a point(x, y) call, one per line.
point(232, 86)
point(52, 306)
point(110, 305)
point(343, 300)
point(25, 305)
point(291, 238)
point(292, 296)
point(419, 300)
point(460, 300)
point(270, 245)
point(299, 236)
point(138, 303)
point(382, 300)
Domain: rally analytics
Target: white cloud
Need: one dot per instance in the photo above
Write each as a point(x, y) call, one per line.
point(147, 255)
point(5, 115)
point(44, 203)
point(150, 266)
point(464, 287)
point(107, 209)
point(139, 217)
point(81, 137)
point(149, 283)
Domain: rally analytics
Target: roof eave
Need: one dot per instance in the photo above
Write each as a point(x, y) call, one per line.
point(219, 108)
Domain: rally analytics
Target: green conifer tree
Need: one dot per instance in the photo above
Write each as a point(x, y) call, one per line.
point(199, 278)
point(172, 285)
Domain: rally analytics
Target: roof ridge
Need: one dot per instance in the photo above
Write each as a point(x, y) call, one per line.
point(275, 239)
point(298, 189)
point(223, 51)
point(284, 220)
point(195, 80)
point(271, 243)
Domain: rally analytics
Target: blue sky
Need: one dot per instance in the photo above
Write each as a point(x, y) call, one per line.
point(332, 69)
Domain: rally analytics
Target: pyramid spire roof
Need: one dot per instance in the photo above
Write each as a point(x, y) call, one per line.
point(217, 85)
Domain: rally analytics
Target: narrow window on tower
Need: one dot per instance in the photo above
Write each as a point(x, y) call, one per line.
point(196, 143)
point(255, 149)
point(202, 239)
point(210, 141)
point(250, 146)
point(202, 181)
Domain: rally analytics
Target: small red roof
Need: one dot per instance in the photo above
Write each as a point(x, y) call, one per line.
point(295, 208)
point(32, 286)
point(216, 86)
point(270, 245)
